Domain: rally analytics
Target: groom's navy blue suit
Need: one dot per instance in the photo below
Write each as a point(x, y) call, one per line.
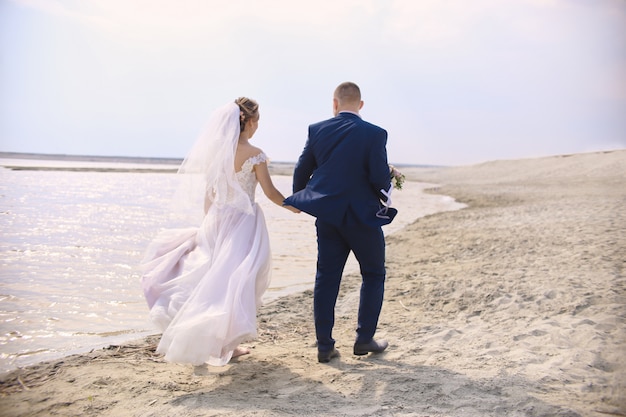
point(338, 179)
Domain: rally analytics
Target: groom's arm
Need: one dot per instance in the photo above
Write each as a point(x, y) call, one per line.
point(304, 167)
point(380, 177)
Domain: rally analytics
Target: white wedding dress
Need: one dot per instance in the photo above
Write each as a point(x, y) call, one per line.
point(203, 285)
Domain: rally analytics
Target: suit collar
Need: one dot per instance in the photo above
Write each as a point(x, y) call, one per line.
point(348, 114)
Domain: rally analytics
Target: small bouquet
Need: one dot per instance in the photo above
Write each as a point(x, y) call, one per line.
point(397, 178)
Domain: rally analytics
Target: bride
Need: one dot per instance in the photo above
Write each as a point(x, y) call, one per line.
point(203, 284)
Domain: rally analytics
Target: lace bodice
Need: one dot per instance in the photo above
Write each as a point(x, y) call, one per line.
point(246, 177)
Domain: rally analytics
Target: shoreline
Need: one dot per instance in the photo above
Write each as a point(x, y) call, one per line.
point(291, 270)
point(413, 203)
point(514, 306)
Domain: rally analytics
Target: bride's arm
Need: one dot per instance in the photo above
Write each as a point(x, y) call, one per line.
point(263, 176)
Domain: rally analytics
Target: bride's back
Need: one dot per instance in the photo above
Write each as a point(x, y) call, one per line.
point(244, 152)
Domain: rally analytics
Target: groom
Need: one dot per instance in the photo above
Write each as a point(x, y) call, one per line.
point(342, 178)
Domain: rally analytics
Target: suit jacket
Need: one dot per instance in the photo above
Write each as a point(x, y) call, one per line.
point(341, 171)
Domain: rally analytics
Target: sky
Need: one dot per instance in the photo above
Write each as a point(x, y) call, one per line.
point(454, 82)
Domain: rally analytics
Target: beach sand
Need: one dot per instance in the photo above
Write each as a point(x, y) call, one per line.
point(513, 306)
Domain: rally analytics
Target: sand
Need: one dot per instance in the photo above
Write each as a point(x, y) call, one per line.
point(513, 306)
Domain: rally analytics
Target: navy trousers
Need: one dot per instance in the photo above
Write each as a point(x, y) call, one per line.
point(333, 247)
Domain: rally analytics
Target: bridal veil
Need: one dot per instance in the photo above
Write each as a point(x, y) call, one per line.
point(208, 171)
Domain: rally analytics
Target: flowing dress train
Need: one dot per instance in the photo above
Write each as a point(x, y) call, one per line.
point(204, 285)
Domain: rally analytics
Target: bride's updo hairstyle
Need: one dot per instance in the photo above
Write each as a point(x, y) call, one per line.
point(249, 111)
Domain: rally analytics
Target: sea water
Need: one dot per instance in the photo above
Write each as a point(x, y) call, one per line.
point(72, 241)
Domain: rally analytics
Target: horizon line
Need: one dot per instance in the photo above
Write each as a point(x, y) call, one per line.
point(135, 159)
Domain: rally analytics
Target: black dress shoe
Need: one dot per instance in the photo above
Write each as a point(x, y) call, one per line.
point(371, 346)
point(325, 357)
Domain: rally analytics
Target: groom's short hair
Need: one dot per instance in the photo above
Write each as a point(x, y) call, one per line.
point(348, 92)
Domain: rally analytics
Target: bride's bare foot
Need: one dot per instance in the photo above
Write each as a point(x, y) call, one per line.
point(240, 351)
